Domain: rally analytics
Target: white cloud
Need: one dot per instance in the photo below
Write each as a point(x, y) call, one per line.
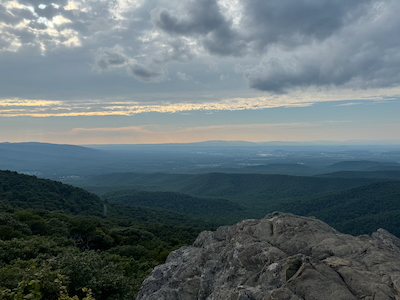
point(223, 77)
point(183, 76)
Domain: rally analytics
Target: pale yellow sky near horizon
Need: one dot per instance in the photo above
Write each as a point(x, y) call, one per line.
point(317, 131)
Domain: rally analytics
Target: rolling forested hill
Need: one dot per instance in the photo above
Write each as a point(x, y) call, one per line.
point(31, 192)
point(388, 175)
point(25, 191)
point(257, 193)
point(362, 165)
point(356, 211)
point(339, 198)
point(213, 210)
point(50, 231)
point(221, 184)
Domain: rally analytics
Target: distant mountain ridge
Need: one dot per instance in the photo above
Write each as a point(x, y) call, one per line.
point(38, 158)
point(388, 174)
point(225, 184)
point(40, 151)
point(363, 165)
point(63, 161)
point(271, 143)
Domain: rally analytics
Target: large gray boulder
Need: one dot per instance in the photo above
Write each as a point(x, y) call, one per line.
point(280, 257)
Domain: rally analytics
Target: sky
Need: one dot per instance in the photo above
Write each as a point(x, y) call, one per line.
point(177, 71)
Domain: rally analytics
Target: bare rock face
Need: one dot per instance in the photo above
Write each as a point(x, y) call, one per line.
point(280, 257)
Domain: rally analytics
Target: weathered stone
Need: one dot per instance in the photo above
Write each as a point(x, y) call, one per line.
point(281, 257)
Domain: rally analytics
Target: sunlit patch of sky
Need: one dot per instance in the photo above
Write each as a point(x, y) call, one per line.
point(45, 108)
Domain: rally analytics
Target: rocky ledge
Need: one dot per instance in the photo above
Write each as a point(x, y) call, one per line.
point(283, 257)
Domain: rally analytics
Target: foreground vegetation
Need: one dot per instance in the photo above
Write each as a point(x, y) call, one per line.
point(79, 239)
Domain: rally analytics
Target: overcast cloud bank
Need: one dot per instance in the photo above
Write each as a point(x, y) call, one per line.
point(275, 47)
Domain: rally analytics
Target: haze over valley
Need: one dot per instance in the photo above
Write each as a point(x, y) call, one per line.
point(60, 162)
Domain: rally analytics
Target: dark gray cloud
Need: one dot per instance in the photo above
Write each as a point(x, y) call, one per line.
point(299, 43)
point(291, 22)
point(199, 17)
point(110, 58)
point(25, 36)
point(361, 55)
point(48, 12)
point(202, 19)
point(224, 42)
point(16, 15)
point(145, 73)
point(295, 22)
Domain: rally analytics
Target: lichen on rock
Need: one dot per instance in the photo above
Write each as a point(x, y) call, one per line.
point(281, 257)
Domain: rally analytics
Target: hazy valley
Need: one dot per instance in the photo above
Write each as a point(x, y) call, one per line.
point(60, 162)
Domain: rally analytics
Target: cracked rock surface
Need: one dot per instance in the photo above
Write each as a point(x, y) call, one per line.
point(280, 257)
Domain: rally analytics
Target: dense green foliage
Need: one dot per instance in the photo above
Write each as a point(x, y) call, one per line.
point(42, 283)
point(109, 257)
point(208, 208)
point(258, 194)
point(357, 211)
point(339, 198)
point(263, 187)
point(26, 192)
point(95, 250)
point(221, 184)
point(30, 192)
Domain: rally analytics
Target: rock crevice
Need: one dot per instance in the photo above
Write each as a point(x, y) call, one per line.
point(282, 256)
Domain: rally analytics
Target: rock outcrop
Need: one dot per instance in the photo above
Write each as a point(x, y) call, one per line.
point(281, 257)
